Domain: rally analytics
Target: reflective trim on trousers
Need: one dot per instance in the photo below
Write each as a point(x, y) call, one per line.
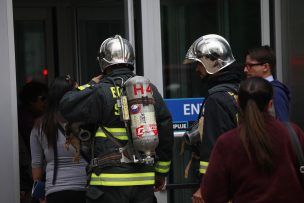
point(130, 179)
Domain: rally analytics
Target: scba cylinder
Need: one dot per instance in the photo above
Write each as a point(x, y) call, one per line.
point(142, 114)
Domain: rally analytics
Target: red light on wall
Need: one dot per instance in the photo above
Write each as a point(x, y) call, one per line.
point(45, 72)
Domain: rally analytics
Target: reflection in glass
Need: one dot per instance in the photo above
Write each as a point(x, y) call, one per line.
point(96, 25)
point(30, 51)
point(183, 22)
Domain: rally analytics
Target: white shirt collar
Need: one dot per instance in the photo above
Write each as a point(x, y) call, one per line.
point(269, 78)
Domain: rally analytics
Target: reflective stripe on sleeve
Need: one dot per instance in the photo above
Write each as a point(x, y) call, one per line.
point(130, 179)
point(118, 133)
point(203, 167)
point(162, 166)
point(84, 86)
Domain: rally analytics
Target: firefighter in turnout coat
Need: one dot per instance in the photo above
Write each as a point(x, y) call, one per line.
point(214, 57)
point(117, 171)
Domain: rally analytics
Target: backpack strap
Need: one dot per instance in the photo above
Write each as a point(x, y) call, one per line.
point(81, 152)
point(297, 148)
point(55, 150)
point(232, 91)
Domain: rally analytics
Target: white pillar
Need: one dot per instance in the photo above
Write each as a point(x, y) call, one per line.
point(129, 23)
point(151, 37)
point(278, 39)
point(9, 170)
point(265, 22)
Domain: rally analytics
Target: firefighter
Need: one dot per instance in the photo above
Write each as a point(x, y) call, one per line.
point(213, 57)
point(117, 172)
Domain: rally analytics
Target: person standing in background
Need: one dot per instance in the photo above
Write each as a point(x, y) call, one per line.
point(261, 62)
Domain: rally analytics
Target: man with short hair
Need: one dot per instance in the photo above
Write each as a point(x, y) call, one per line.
point(261, 62)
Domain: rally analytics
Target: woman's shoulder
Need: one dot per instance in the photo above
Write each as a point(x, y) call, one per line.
point(229, 137)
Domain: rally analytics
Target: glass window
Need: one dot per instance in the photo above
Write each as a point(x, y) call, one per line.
point(30, 51)
point(293, 55)
point(184, 21)
point(94, 26)
point(33, 29)
point(244, 26)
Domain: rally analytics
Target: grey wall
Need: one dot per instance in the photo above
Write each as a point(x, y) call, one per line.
point(9, 169)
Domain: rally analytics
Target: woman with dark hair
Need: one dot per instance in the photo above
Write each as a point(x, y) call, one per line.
point(254, 162)
point(65, 178)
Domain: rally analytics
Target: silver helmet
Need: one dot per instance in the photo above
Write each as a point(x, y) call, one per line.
point(213, 51)
point(115, 50)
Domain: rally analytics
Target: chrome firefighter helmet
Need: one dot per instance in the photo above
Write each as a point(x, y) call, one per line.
point(115, 50)
point(213, 51)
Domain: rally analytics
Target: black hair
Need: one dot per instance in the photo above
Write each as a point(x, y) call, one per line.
point(31, 91)
point(49, 122)
point(263, 54)
point(254, 96)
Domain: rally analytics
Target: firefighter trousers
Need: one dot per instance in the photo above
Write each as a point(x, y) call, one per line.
point(120, 194)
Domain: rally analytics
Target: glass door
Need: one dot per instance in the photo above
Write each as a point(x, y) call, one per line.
point(34, 45)
point(94, 25)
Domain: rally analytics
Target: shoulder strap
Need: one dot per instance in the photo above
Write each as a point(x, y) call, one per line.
point(234, 108)
point(297, 147)
point(231, 91)
point(55, 149)
point(81, 152)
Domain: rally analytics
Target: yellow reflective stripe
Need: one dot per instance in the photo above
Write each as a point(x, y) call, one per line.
point(118, 133)
point(100, 134)
point(116, 130)
point(203, 167)
point(84, 86)
point(162, 166)
point(123, 179)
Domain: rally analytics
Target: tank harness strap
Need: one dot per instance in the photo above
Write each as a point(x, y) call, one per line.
point(67, 133)
point(193, 157)
point(111, 159)
point(143, 100)
point(111, 137)
point(55, 149)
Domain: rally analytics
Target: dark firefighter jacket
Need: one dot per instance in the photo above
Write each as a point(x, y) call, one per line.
point(96, 103)
point(219, 111)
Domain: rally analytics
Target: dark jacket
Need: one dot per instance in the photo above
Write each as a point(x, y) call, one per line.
point(281, 98)
point(232, 176)
point(219, 111)
point(97, 103)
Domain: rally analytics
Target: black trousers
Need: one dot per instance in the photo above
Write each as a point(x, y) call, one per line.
point(67, 196)
point(120, 194)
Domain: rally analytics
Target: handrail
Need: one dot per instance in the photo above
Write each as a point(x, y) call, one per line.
point(174, 186)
